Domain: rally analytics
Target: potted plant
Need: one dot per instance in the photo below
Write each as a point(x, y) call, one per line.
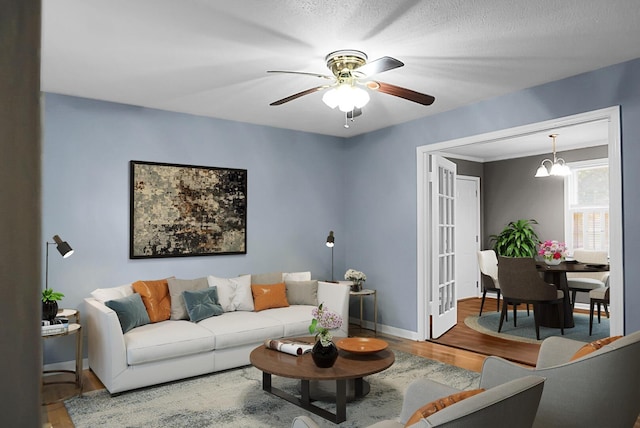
point(518, 239)
point(50, 303)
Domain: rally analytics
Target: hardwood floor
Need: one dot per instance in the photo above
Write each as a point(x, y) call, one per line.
point(453, 352)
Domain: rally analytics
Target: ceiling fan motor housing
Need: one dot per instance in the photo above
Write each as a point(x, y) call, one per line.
point(342, 62)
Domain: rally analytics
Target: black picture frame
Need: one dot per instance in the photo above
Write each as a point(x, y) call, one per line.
point(186, 210)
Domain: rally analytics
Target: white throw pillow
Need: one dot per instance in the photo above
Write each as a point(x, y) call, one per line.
point(105, 294)
point(243, 299)
point(234, 294)
point(296, 276)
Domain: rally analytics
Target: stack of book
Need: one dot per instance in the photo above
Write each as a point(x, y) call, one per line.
point(56, 326)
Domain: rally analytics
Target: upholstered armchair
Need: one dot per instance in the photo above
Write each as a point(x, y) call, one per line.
point(600, 389)
point(513, 403)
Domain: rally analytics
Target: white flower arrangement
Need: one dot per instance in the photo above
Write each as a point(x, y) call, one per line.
point(355, 276)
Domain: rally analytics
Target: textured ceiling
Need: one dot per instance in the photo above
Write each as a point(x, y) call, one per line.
point(210, 57)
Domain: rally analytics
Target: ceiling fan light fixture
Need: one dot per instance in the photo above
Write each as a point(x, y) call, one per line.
point(346, 97)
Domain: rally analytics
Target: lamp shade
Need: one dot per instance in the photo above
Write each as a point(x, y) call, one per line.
point(330, 240)
point(63, 247)
point(542, 171)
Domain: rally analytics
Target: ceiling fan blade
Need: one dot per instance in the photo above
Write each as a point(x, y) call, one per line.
point(405, 93)
point(379, 65)
point(354, 113)
point(298, 95)
point(322, 76)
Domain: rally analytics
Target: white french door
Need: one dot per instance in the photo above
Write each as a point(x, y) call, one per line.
point(443, 300)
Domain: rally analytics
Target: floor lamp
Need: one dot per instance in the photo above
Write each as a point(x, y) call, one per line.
point(64, 249)
point(330, 243)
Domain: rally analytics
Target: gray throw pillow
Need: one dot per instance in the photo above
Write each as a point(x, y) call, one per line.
point(202, 304)
point(302, 292)
point(176, 288)
point(130, 310)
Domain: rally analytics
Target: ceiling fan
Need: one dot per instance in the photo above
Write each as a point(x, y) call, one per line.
point(350, 73)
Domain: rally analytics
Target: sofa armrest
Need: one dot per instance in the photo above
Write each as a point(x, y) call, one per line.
point(335, 297)
point(107, 350)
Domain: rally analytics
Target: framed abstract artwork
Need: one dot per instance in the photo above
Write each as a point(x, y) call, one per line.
point(187, 210)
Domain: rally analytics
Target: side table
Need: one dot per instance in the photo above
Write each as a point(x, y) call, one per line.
point(368, 292)
point(74, 328)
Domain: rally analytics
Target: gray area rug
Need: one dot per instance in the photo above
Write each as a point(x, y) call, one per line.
point(234, 398)
point(526, 331)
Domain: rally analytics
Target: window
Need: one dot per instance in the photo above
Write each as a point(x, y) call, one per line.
point(587, 206)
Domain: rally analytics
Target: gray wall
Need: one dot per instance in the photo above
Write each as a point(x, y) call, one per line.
point(511, 192)
point(20, 214)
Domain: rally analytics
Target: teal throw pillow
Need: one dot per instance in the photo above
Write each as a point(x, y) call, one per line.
point(202, 304)
point(130, 310)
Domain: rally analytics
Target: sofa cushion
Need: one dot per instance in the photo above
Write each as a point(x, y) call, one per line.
point(105, 294)
point(234, 294)
point(439, 404)
point(266, 278)
point(267, 296)
point(165, 340)
point(242, 328)
point(202, 304)
point(176, 288)
point(130, 311)
point(296, 276)
point(302, 292)
point(294, 319)
point(156, 298)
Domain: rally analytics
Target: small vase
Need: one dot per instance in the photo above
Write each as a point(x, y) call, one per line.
point(553, 262)
point(49, 310)
point(324, 356)
point(356, 286)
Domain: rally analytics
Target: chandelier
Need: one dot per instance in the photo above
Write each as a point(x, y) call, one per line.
point(558, 167)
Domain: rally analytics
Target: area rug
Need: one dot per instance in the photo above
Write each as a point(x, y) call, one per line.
point(234, 398)
point(526, 332)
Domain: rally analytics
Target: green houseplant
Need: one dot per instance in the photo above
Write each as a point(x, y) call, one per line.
point(517, 239)
point(50, 303)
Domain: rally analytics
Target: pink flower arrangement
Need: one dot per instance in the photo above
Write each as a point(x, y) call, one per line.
point(323, 321)
point(553, 250)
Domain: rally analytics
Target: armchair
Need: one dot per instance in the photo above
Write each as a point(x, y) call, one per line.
point(516, 400)
point(601, 389)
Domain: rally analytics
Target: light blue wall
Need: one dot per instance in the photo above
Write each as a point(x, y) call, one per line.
point(300, 186)
point(295, 183)
point(381, 184)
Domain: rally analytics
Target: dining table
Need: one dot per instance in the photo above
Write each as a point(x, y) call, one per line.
point(557, 275)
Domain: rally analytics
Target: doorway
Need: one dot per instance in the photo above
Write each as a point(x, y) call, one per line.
point(467, 236)
point(611, 117)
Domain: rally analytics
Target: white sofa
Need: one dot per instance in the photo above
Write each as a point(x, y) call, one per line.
point(175, 349)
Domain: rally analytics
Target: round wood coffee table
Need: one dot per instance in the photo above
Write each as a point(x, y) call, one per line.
point(347, 366)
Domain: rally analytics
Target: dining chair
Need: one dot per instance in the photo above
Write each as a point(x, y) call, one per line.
point(584, 282)
point(599, 296)
point(488, 264)
point(520, 282)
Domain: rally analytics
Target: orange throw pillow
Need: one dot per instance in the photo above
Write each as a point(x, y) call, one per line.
point(269, 296)
point(439, 404)
point(156, 298)
point(593, 346)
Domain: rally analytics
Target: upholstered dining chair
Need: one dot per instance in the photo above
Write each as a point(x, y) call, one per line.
point(584, 282)
point(599, 296)
point(520, 282)
point(488, 264)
